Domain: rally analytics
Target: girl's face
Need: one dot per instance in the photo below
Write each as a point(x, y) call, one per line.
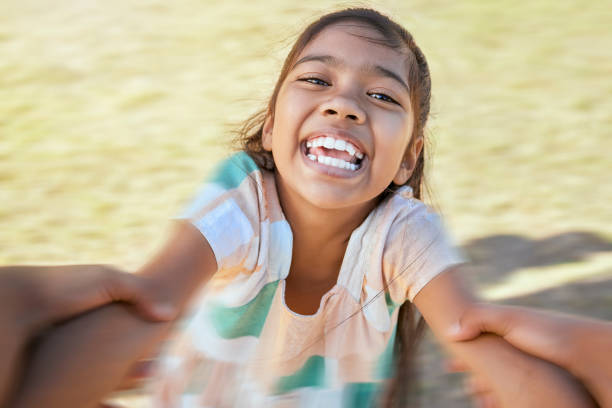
point(343, 120)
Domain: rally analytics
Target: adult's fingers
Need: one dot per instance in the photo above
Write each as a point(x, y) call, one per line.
point(139, 291)
point(482, 318)
point(109, 405)
point(455, 366)
point(487, 401)
point(476, 386)
point(540, 333)
point(139, 373)
point(480, 391)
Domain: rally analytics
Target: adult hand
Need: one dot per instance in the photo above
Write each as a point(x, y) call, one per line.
point(477, 387)
point(56, 293)
point(140, 372)
point(36, 297)
point(541, 334)
point(579, 345)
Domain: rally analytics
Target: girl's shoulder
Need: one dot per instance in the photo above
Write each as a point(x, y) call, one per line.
point(232, 171)
point(416, 245)
point(229, 210)
point(234, 182)
point(402, 213)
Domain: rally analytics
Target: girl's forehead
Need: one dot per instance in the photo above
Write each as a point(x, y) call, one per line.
point(354, 42)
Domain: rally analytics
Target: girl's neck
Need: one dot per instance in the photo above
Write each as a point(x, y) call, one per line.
point(320, 236)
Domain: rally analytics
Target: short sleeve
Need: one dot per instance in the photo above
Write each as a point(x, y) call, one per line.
point(417, 249)
point(226, 211)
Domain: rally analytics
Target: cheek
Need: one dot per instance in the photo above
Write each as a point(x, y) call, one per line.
point(292, 110)
point(292, 100)
point(393, 132)
point(299, 106)
point(393, 135)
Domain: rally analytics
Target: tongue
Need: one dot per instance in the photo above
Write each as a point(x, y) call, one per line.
point(322, 151)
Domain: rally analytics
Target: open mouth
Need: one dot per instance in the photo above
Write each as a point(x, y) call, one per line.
point(334, 152)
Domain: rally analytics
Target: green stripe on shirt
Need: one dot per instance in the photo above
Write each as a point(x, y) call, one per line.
point(233, 171)
point(245, 320)
point(312, 374)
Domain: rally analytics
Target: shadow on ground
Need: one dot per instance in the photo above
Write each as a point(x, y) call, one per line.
point(496, 257)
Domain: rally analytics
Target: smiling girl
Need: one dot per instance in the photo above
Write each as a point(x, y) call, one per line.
point(313, 245)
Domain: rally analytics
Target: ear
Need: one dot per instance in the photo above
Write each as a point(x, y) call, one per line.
point(409, 162)
point(266, 136)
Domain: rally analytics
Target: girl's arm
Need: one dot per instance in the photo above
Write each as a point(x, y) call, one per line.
point(578, 344)
point(80, 362)
point(515, 378)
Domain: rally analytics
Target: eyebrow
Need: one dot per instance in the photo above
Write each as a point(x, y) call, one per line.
point(368, 69)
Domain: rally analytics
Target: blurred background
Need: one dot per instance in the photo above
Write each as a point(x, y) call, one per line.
point(112, 113)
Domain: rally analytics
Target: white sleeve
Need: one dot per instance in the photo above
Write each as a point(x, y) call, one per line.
point(227, 212)
point(417, 249)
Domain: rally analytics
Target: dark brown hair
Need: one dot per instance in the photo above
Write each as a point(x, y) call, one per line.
point(409, 328)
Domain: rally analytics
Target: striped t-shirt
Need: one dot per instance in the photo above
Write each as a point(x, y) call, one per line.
point(243, 347)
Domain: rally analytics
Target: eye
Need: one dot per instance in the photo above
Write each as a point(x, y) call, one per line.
point(314, 81)
point(383, 97)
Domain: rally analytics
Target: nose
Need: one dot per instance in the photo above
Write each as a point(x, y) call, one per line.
point(343, 107)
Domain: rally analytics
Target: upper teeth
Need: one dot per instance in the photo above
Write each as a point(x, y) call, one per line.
point(329, 142)
point(332, 161)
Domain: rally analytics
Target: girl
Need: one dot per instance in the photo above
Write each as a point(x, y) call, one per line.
point(311, 238)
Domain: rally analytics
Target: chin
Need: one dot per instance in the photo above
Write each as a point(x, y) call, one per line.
point(328, 200)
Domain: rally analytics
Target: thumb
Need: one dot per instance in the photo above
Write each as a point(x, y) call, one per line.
point(479, 319)
point(141, 292)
